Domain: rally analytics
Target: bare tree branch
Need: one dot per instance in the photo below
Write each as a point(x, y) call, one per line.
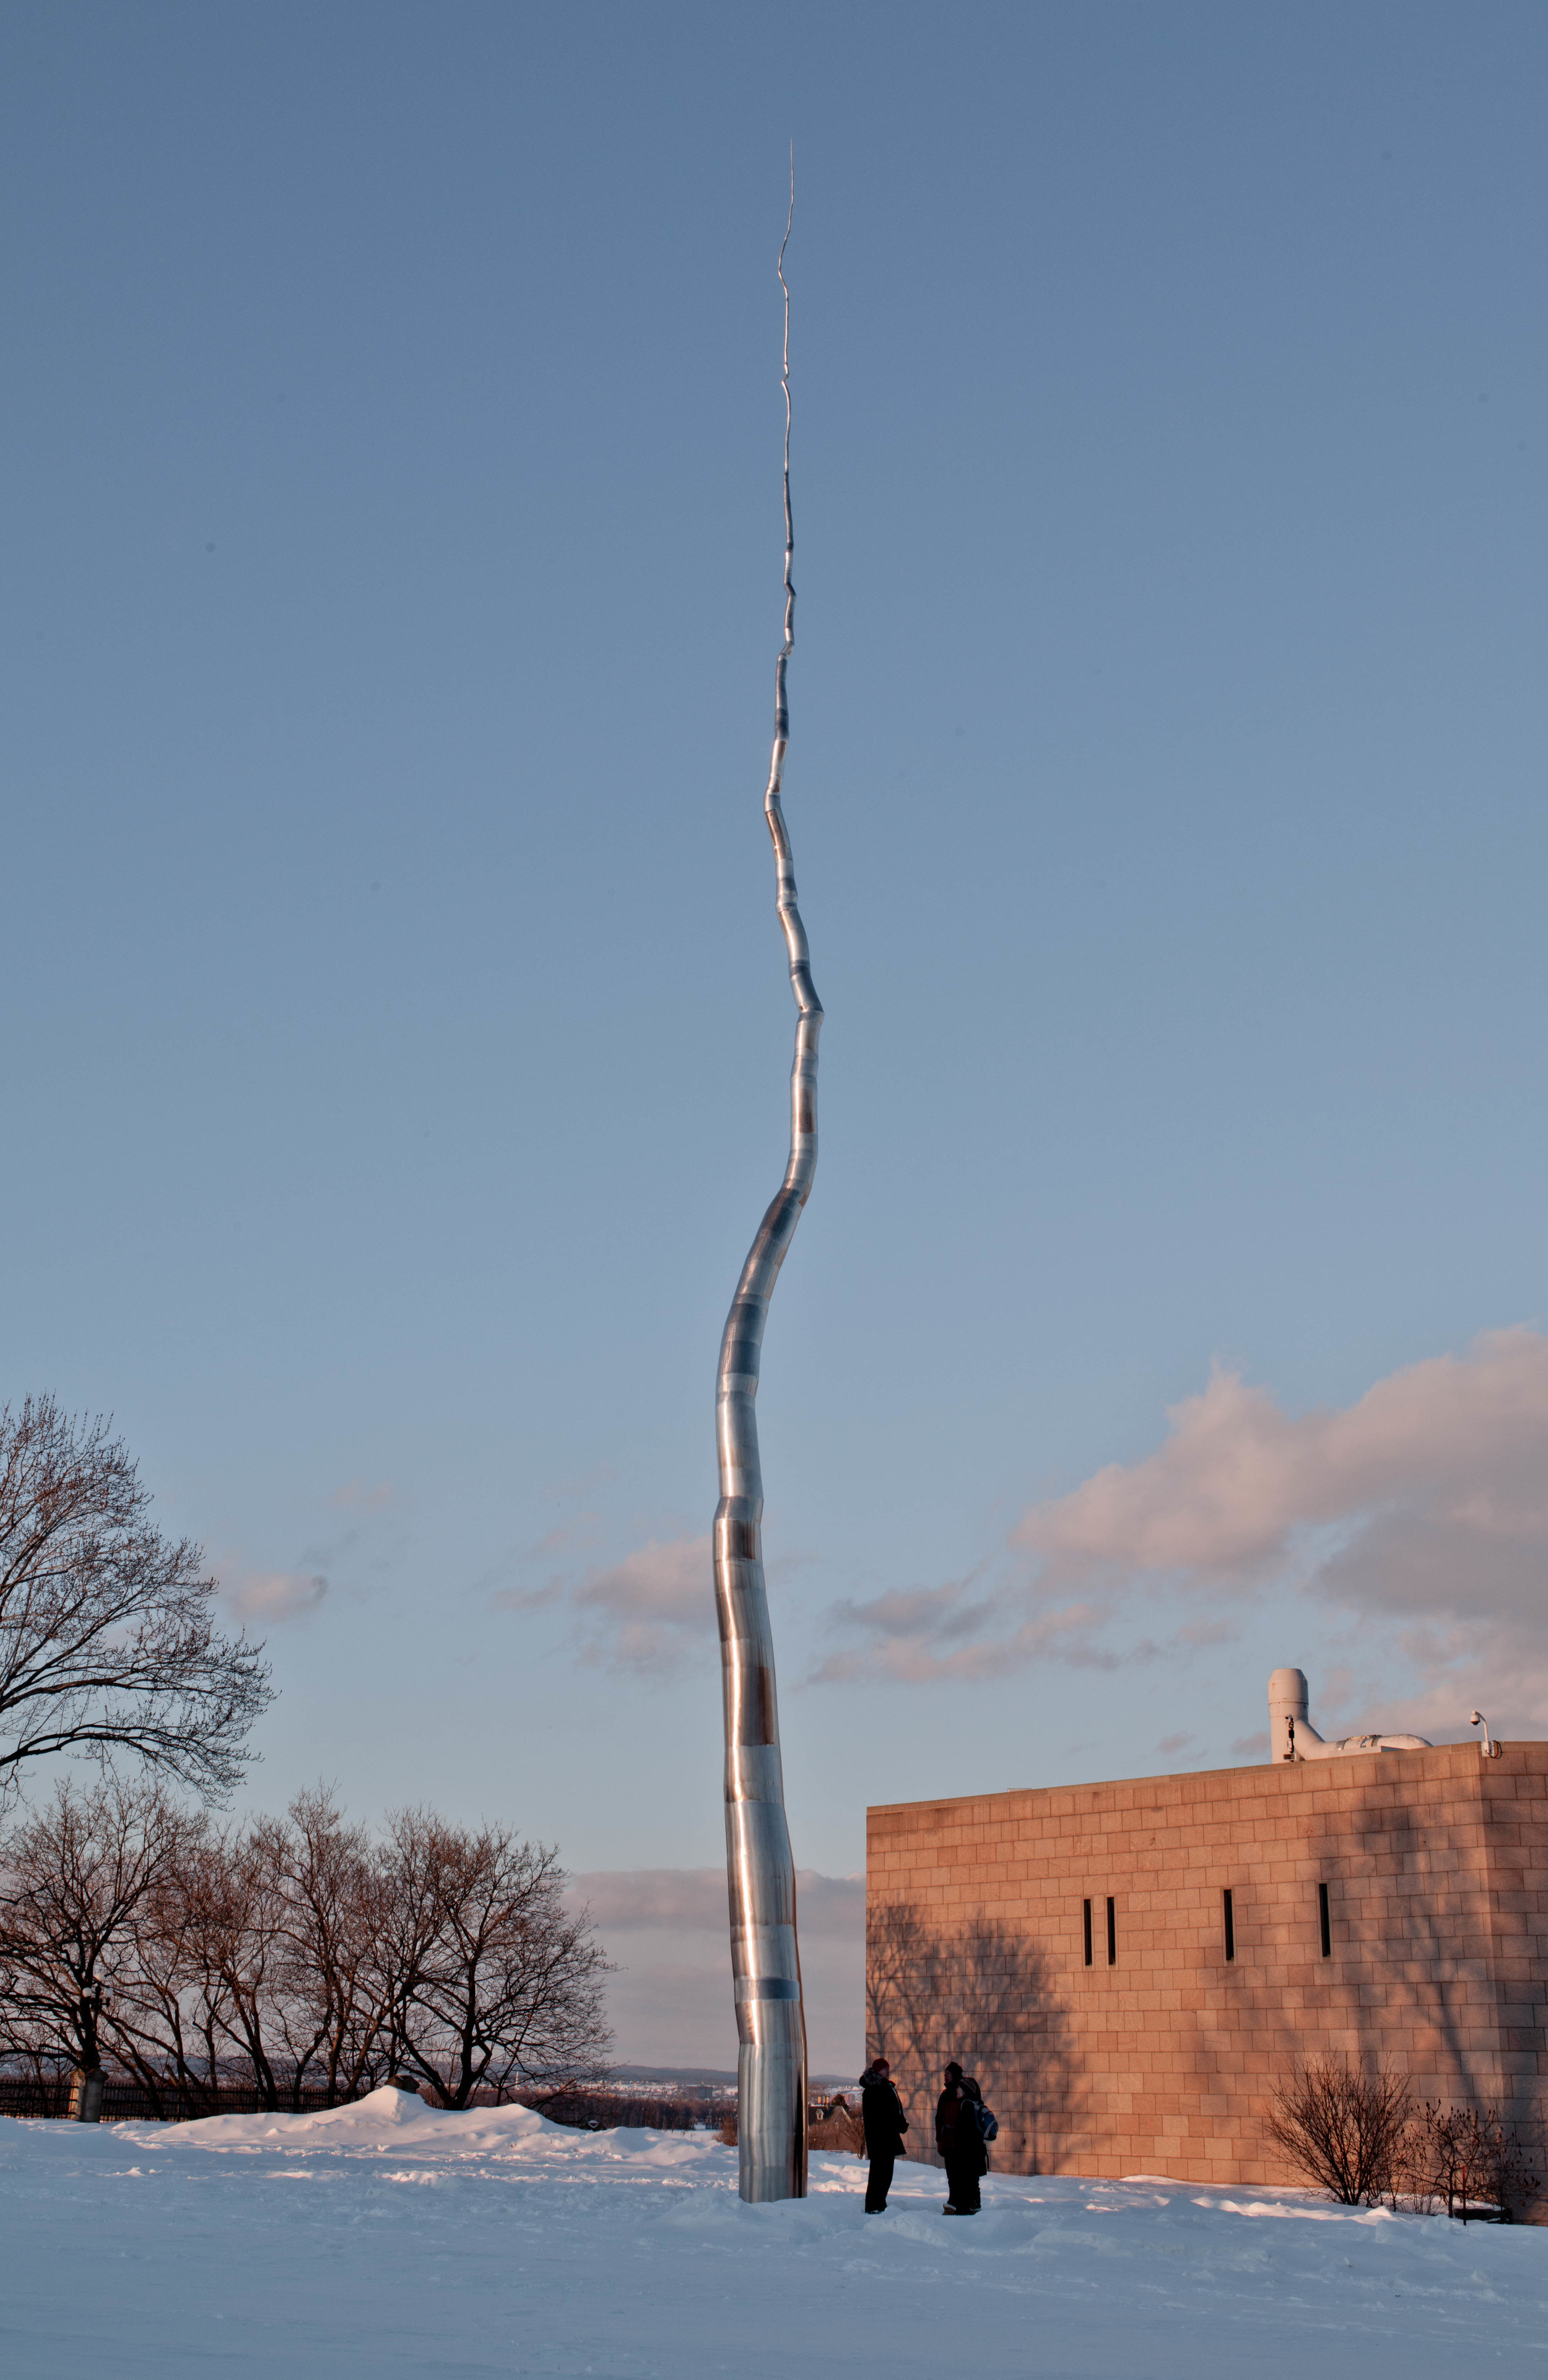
point(108, 1634)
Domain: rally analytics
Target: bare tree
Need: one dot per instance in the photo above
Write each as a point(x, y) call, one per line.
point(211, 1962)
point(244, 1946)
point(169, 2004)
point(1342, 2130)
point(132, 1933)
point(504, 1982)
point(1470, 2157)
point(258, 1946)
point(336, 1983)
point(410, 1866)
point(73, 1883)
point(108, 1634)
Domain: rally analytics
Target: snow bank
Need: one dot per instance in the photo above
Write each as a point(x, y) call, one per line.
point(397, 2123)
point(385, 2119)
point(390, 2238)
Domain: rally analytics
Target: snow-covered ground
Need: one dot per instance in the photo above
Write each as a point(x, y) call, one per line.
point(387, 2238)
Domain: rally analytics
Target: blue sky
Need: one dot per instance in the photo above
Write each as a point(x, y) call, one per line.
point(396, 1019)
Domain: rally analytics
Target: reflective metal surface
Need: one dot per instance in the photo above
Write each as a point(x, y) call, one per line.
point(765, 1961)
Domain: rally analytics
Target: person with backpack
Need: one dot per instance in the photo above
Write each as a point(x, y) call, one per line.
point(964, 2127)
point(885, 2123)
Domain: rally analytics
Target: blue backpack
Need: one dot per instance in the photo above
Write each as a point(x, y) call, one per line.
point(988, 2129)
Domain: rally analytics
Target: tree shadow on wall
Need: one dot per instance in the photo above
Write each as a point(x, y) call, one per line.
point(1439, 1959)
point(983, 1995)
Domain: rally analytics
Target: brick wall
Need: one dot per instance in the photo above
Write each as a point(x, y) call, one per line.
point(1436, 1869)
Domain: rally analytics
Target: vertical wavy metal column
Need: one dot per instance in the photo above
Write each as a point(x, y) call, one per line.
point(765, 1959)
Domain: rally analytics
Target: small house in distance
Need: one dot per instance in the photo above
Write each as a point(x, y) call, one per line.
point(1128, 1968)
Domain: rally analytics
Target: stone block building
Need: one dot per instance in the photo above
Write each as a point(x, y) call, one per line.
point(1128, 1967)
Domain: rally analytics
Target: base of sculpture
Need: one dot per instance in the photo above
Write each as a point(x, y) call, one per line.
point(770, 2121)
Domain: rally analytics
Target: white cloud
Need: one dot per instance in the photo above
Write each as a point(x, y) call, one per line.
point(651, 1611)
point(266, 1598)
point(650, 1615)
point(1420, 1512)
point(624, 1899)
point(913, 1637)
point(1435, 1484)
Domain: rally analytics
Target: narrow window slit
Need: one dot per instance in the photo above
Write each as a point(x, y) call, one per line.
point(1111, 1933)
point(1230, 1925)
point(1323, 1913)
point(1088, 1933)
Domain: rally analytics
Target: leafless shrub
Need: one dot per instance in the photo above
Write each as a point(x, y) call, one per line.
point(108, 1640)
point(1472, 2158)
point(1342, 2130)
point(838, 2126)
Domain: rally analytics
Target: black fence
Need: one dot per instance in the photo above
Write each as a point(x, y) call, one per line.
point(587, 2108)
point(126, 2101)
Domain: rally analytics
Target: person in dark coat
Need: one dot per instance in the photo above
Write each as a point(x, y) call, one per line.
point(885, 2123)
point(959, 2140)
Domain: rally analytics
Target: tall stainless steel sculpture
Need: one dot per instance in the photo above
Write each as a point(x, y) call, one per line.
point(765, 1959)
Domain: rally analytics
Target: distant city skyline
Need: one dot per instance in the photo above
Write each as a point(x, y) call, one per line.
point(396, 1018)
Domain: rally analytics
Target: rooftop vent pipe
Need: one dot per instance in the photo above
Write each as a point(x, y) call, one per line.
point(1293, 1737)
